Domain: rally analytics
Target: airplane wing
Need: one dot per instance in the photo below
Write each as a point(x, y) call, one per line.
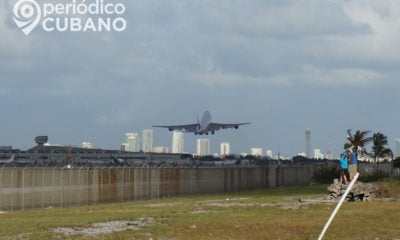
point(218, 126)
point(185, 128)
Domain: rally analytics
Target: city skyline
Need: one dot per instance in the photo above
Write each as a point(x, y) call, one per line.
point(284, 66)
point(144, 142)
point(203, 147)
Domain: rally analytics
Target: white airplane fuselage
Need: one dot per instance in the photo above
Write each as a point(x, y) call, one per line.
point(202, 128)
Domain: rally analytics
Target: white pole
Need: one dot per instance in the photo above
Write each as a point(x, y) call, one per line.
point(338, 206)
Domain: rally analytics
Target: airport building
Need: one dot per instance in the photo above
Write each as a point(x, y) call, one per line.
point(51, 155)
point(161, 149)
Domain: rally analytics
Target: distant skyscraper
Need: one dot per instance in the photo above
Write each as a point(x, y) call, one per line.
point(317, 154)
point(203, 147)
point(147, 140)
point(132, 142)
point(86, 145)
point(308, 142)
point(123, 147)
point(397, 147)
point(269, 154)
point(257, 152)
point(225, 149)
point(177, 142)
point(329, 153)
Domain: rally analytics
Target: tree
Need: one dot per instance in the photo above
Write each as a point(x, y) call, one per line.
point(396, 162)
point(358, 141)
point(379, 149)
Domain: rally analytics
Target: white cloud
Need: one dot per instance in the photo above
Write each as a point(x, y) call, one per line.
point(12, 40)
point(232, 80)
point(356, 77)
point(382, 18)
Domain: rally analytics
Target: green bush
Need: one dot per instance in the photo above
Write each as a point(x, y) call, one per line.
point(326, 175)
point(396, 162)
point(375, 176)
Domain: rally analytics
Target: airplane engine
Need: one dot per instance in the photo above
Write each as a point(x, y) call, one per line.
point(236, 126)
point(170, 129)
point(212, 132)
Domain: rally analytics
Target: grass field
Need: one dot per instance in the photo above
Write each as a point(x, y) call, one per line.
point(263, 214)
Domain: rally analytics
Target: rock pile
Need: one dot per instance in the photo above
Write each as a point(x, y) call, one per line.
point(361, 191)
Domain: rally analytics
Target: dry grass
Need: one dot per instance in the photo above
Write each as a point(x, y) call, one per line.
point(389, 188)
point(266, 214)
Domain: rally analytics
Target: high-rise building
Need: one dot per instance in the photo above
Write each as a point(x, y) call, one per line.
point(132, 142)
point(225, 149)
point(203, 147)
point(147, 140)
point(308, 142)
point(318, 155)
point(269, 154)
point(87, 145)
point(123, 147)
point(256, 152)
point(329, 155)
point(397, 147)
point(177, 142)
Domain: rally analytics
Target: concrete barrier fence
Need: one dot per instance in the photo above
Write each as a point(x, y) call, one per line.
point(29, 188)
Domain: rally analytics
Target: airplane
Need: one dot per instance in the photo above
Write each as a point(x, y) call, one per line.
point(8, 160)
point(204, 126)
point(116, 162)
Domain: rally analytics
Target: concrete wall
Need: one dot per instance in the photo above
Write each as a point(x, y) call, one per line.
point(29, 188)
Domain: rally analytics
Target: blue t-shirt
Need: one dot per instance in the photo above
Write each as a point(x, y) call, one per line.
point(343, 163)
point(354, 155)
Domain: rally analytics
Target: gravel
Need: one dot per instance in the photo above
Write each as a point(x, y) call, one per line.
point(106, 227)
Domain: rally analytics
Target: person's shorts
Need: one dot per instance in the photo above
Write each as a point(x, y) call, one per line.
point(344, 171)
point(352, 169)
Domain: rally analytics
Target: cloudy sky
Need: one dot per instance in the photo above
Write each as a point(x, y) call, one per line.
point(283, 65)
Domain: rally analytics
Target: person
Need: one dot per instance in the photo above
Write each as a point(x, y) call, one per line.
point(343, 169)
point(352, 163)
